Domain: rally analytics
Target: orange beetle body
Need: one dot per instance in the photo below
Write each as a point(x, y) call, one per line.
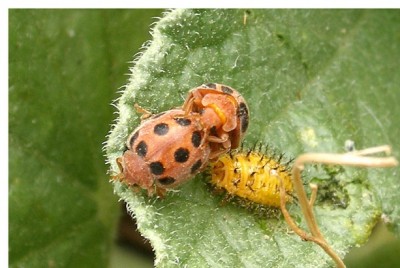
point(224, 113)
point(167, 149)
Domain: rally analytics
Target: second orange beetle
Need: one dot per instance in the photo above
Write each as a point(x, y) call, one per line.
point(224, 113)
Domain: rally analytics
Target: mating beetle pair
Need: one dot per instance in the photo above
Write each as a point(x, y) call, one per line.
point(168, 148)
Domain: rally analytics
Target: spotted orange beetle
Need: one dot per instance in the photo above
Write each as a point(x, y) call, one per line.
point(167, 149)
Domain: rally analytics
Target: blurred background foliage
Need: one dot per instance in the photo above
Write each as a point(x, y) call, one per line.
point(65, 68)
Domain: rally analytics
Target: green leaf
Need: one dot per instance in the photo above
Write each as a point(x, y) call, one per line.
point(313, 79)
point(64, 66)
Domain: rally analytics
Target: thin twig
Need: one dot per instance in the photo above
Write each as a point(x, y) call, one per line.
point(357, 158)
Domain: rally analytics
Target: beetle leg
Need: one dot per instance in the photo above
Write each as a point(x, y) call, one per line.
point(145, 114)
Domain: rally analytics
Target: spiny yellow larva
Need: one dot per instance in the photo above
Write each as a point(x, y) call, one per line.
point(252, 175)
point(259, 178)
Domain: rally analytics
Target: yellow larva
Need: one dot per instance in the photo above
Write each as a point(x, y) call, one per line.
point(257, 177)
point(253, 176)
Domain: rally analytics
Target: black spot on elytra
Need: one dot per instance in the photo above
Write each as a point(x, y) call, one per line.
point(141, 149)
point(183, 121)
point(196, 138)
point(161, 129)
point(211, 85)
point(196, 166)
point(181, 155)
point(227, 90)
point(157, 168)
point(243, 114)
point(133, 138)
point(166, 180)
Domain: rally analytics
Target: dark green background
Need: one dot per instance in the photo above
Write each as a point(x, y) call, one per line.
point(65, 67)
